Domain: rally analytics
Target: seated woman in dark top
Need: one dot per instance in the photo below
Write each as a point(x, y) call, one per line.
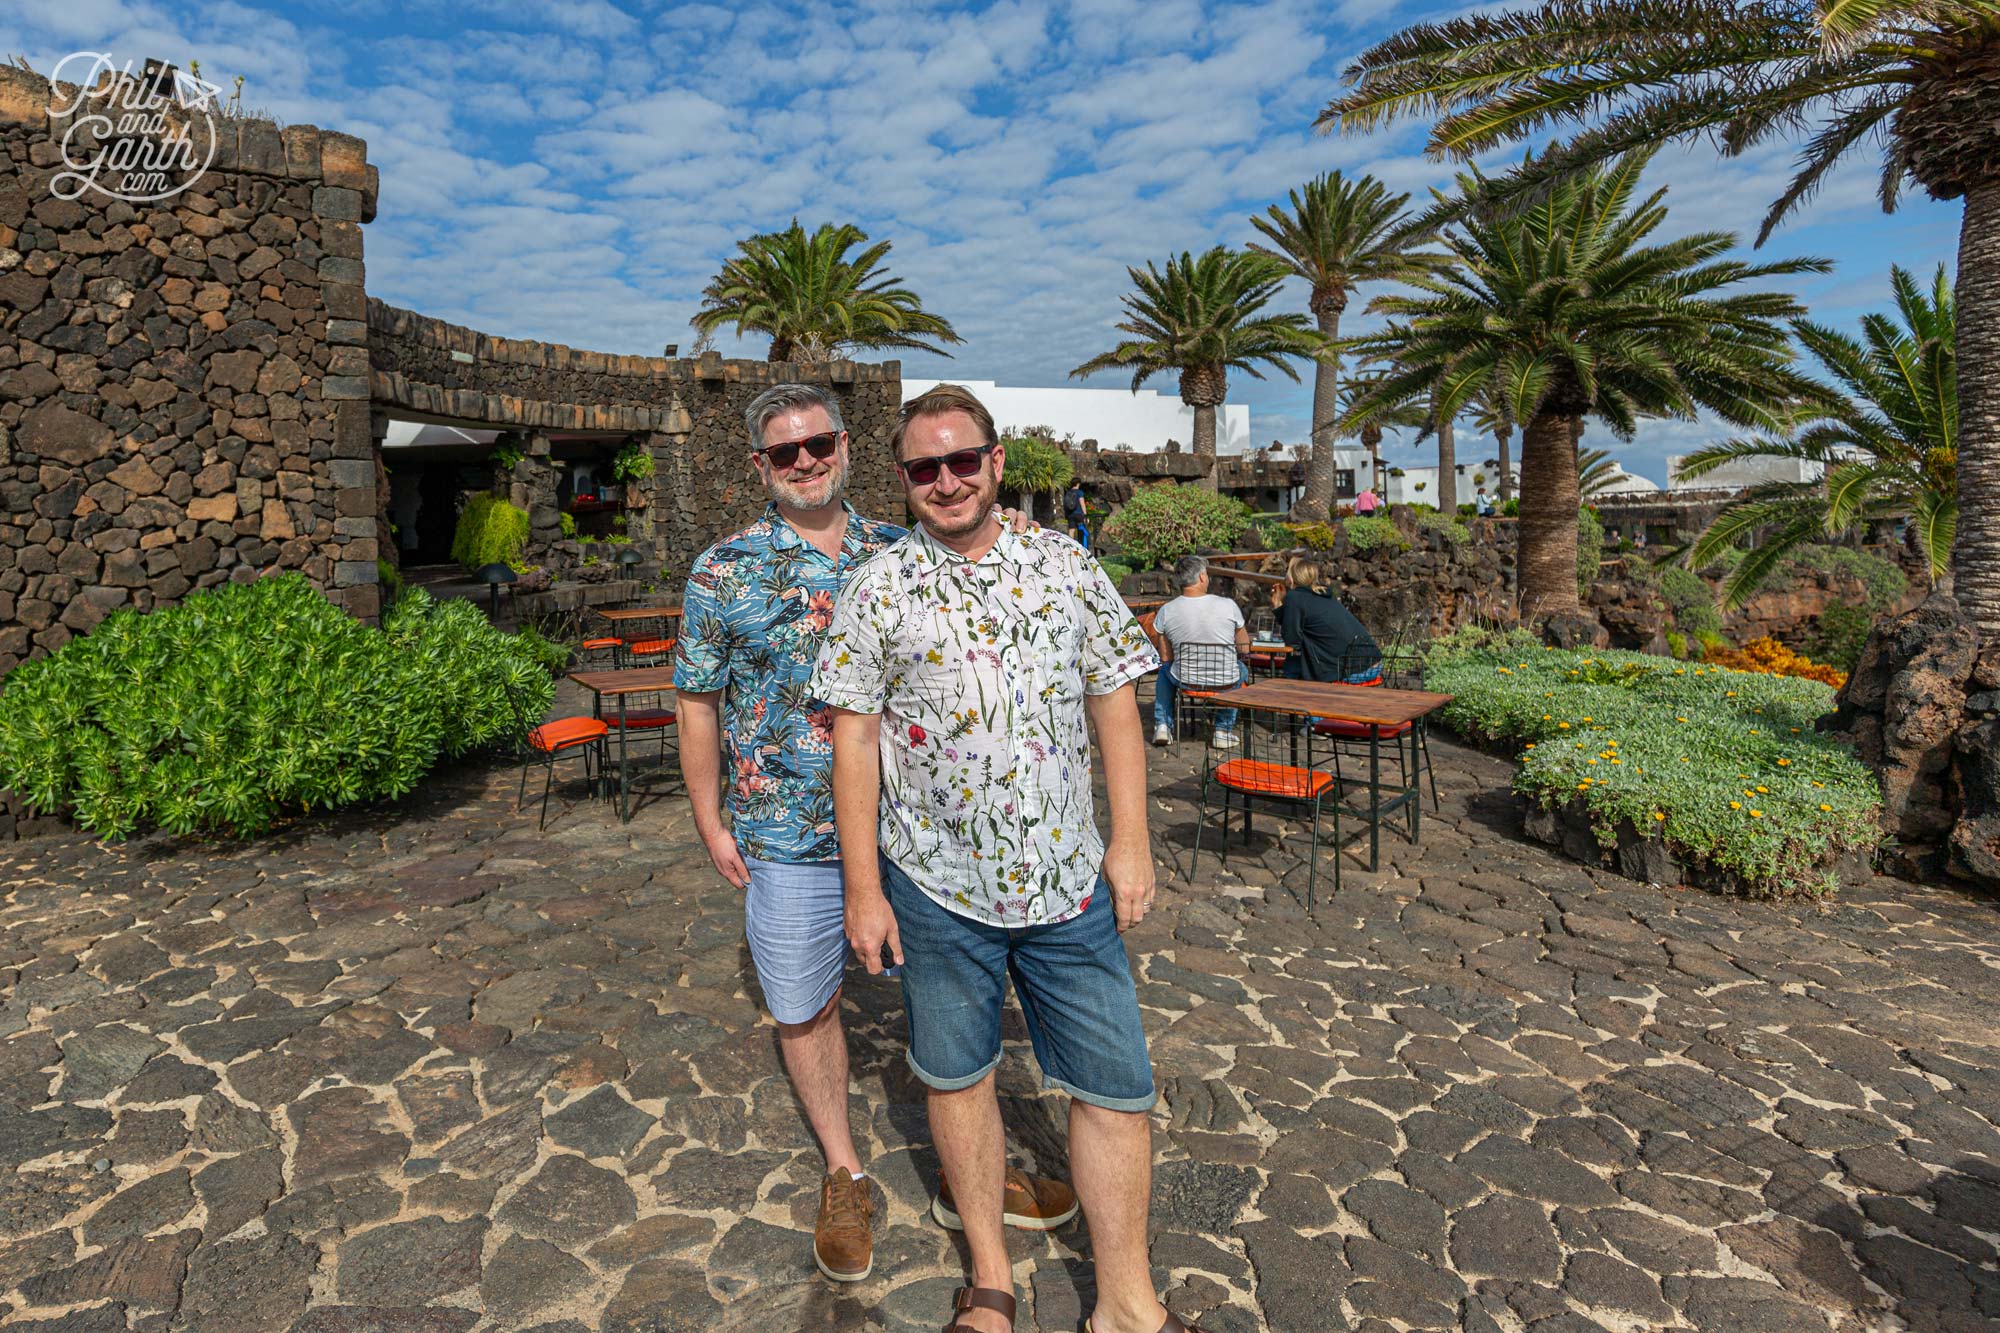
point(1327, 642)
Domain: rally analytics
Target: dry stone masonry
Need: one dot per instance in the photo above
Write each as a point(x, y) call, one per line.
point(183, 384)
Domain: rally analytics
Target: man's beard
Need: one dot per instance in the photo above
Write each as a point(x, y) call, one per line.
point(824, 490)
point(970, 521)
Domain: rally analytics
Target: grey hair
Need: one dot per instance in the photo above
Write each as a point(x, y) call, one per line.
point(781, 398)
point(1188, 571)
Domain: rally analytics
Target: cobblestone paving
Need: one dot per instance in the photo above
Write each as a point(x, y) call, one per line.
point(428, 1070)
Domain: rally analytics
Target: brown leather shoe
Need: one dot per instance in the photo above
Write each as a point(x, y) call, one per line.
point(1032, 1203)
point(844, 1238)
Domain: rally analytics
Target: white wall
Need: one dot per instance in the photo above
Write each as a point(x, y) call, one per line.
point(1742, 472)
point(1146, 420)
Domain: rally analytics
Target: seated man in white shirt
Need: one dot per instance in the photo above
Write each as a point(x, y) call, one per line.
point(1198, 617)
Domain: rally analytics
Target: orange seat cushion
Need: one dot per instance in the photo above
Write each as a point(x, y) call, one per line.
point(566, 731)
point(650, 646)
point(1358, 731)
point(636, 718)
point(602, 643)
point(1261, 659)
point(1254, 775)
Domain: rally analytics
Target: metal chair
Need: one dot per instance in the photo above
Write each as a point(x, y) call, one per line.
point(1205, 664)
point(1267, 769)
point(654, 717)
point(552, 740)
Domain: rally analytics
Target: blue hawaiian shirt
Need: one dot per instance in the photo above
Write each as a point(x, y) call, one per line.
point(757, 606)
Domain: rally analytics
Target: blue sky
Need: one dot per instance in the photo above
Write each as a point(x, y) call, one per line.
point(577, 171)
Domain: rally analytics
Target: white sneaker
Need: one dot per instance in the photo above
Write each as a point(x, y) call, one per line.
point(1226, 740)
point(1163, 735)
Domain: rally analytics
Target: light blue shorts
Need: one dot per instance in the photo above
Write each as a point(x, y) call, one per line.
point(794, 917)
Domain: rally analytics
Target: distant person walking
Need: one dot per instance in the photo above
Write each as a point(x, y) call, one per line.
point(1198, 619)
point(1328, 643)
point(1077, 514)
point(1367, 502)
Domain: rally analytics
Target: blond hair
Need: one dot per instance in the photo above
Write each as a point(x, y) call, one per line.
point(941, 400)
point(1305, 572)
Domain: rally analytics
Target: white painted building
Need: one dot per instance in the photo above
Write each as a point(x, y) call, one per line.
point(1740, 473)
point(1145, 420)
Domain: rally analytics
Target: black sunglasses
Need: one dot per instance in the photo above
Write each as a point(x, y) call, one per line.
point(962, 462)
point(820, 447)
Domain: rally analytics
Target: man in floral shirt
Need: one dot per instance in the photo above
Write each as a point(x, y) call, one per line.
point(756, 606)
point(962, 664)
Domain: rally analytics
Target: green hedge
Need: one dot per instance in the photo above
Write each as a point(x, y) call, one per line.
point(1725, 765)
point(1372, 534)
point(1163, 523)
point(1885, 581)
point(246, 704)
point(1455, 531)
point(490, 531)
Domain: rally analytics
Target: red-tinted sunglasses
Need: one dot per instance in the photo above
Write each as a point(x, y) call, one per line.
point(821, 447)
point(962, 462)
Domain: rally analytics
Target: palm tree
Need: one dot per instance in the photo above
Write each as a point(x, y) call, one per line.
point(1491, 417)
point(816, 302)
point(1557, 310)
point(1198, 317)
point(1596, 469)
point(1338, 234)
point(1441, 422)
point(1369, 430)
point(1885, 449)
point(1918, 77)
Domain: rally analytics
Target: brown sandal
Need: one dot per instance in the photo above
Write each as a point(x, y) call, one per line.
point(979, 1298)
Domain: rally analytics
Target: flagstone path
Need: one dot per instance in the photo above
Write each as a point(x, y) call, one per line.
point(428, 1070)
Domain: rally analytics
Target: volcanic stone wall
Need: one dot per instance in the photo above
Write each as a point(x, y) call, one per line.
point(183, 383)
point(687, 411)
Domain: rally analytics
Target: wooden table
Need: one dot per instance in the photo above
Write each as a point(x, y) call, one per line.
point(640, 613)
point(618, 685)
point(1137, 604)
point(1372, 706)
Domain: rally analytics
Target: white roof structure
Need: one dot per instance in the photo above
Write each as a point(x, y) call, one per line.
point(1624, 483)
point(1146, 420)
point(1740, 473)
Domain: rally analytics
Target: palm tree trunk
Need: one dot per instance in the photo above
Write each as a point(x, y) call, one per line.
point(1318, 502)
point(1975, 553)
point(1506, 438)
point(1447, 469)
point(1548, 518)
point(1204, 443)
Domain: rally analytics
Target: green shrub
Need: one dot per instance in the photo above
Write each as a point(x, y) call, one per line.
point(1275, 535)
point(1454, 530)
point(1589, 550)
point(508, 455)
point(1163, 523)
point(1512, 509)
point(1839, 636)
point(551, 656)
point(391, 580)
point(1692, 600)
point(246, 704)
point(1677, 643)
point(1321, 537)
point(490, 531)
point(1116, 571)
point(632, 464)
point(1373, 534)
point(1885, 581)
point(1677, 751)
point(1036, 466)
point(568, 527)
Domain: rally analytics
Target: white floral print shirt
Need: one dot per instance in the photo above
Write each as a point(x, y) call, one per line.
point(979, 669)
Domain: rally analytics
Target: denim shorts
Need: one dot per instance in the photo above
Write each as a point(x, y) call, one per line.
point(1073, 979)
point(794, 917)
